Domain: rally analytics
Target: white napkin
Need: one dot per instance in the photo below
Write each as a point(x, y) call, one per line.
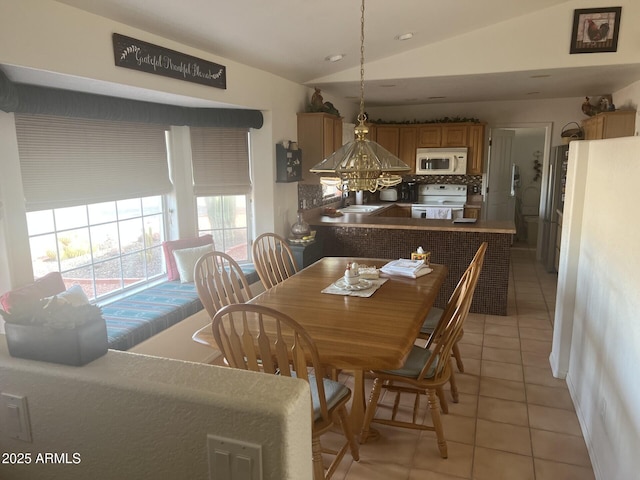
point(375, 284)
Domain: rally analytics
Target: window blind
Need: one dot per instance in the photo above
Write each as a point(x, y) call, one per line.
point(220, 159)
point(69, 161)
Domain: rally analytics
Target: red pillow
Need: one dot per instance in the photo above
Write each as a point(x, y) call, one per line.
point(170, 245)
point(47, 286)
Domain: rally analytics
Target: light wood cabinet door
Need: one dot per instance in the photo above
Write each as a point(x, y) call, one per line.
point(319, 135)
point(408, 146)
point(429, 136)
point(454, 135)
point(621, 123)
point(471, 212)
point(389, 138)
point(475, 150)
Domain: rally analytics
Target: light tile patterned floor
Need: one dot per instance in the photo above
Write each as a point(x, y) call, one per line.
point(515, 421)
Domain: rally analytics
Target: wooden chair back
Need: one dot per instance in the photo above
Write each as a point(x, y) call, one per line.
point(220, 281)
point(449, 329)
point(273, 259)
point(259, 338)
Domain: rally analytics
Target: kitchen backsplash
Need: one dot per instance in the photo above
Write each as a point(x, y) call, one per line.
point(310, 196)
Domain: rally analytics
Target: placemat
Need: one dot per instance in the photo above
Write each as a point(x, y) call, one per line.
point(375, 285)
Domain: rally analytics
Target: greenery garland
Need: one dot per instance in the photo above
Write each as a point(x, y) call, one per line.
point(437, 120)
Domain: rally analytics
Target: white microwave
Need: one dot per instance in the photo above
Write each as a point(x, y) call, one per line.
point(441, 161)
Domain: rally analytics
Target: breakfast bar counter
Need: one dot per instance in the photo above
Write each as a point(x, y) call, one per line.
point(381, 234)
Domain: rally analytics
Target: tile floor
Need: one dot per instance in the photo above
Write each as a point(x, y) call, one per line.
point(514, 421)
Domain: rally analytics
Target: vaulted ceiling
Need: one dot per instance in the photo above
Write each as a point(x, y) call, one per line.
point(293, 38)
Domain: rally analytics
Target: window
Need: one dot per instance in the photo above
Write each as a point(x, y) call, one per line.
point(104, 247)
point(225, 217)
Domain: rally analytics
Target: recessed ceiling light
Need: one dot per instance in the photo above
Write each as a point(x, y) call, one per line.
point(404, 36)
point(335, 58)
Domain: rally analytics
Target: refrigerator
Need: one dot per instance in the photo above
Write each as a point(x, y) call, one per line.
point(553, 201)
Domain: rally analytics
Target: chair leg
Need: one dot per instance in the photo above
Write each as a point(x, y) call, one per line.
point(371, 409)
point(443, 400)
point(454, 386)
point(346, 428)
point(434, 407)
point(458, 357)
point(318, 469)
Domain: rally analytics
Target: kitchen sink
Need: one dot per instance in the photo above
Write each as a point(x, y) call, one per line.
point(360, 208)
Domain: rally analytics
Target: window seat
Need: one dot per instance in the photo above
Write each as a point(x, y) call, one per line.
point(132, 319)
point(135, 318)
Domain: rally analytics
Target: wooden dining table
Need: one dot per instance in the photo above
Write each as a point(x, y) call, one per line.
point(354, 333)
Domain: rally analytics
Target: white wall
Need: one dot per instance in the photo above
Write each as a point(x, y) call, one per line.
point(139, 417)
point(52, 37)
point(596, 325)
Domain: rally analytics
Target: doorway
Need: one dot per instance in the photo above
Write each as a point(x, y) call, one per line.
point(518, 155)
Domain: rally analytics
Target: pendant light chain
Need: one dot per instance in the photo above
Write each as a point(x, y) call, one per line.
point(361, 117)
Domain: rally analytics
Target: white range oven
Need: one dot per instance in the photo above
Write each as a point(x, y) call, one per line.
point(440, 201)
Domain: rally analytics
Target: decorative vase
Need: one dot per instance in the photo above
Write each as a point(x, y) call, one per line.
point(300, 228)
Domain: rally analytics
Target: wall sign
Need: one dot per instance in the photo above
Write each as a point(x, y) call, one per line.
point(146, 57)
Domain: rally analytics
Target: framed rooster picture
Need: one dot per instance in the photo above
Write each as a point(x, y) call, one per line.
point(595, 30)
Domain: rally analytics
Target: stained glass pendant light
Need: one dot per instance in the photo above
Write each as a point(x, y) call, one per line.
point(361, 164)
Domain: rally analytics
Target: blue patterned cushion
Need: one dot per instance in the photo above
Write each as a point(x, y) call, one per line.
point(430, 323)
point(334, 391)
point(137, 317)
point(414, 364)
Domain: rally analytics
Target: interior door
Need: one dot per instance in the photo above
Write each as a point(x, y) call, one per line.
point(501, 200)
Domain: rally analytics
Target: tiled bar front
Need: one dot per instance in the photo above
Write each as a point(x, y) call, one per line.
point(455, 249)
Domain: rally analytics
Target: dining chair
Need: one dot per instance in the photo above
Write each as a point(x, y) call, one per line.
point(273, 259)
point(426, 370)
point(259, 338)
point(220, 281)
point(435, 314)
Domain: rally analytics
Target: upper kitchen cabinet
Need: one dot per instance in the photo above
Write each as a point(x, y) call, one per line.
point(454, 135)
point(319, 135)
point(408, 146)
point(621, 123)
point(475, 149)
point(389, 138)
point(443, 135)
point(429, 136)
point(399, 140)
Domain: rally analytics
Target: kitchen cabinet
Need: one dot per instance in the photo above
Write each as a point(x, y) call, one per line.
point(403, 140)
point(472, 212)
point(430, 136)
point(389, 138)
point(319, 135)
point(621, 123)
point(475, 150)
point(408, 145)
point(454, 135)
point(397, 211)
point(399, 140)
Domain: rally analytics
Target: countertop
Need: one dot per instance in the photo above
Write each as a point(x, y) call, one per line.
point(374, 220)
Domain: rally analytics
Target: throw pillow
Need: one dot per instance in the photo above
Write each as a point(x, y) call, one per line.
point(170, 245)
point(186, 260)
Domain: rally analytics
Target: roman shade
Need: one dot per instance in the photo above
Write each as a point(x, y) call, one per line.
point(68, 161)
point(220, 159)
